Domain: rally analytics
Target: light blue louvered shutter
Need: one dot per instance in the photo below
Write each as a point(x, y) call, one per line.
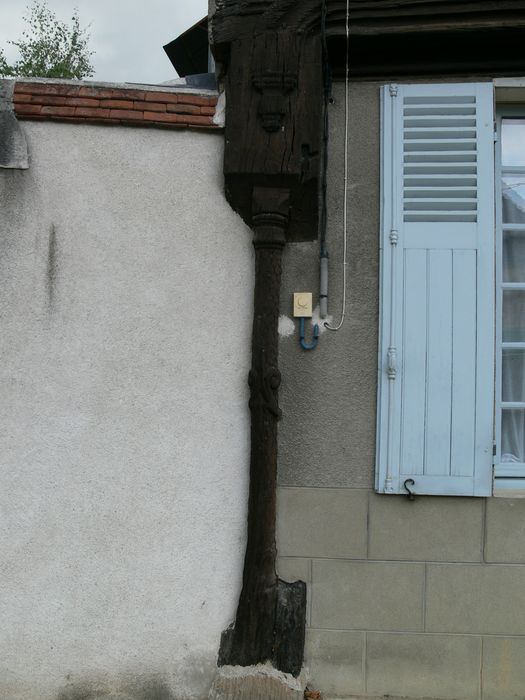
point(436, 355)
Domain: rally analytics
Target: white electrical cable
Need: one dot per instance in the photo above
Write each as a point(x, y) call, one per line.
point(345, 195)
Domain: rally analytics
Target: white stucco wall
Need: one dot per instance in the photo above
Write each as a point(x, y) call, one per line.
point(125, 314)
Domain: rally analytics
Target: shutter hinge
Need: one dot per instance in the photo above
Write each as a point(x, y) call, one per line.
point(392, 363)
point(393, 90)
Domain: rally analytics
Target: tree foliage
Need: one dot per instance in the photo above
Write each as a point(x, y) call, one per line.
point(50, 48)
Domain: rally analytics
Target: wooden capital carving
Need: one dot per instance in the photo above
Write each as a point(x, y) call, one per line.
point(274, 88)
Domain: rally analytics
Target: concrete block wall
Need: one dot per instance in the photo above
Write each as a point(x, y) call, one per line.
point(409, 599)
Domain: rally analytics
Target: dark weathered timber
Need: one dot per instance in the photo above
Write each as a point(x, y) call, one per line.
point(271, 168)
point(273, 116)
point(273, 86)
point(484, 53)
point(270, 620)
point(471, 28)
point(238, 18)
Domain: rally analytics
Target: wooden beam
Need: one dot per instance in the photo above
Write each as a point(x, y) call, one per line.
point(367, 17)
point(486, 53)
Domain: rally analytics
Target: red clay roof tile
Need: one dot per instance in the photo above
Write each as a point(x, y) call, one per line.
point(108, 104)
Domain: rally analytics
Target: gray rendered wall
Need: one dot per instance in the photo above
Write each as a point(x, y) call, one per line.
point(418, 600)
point(125, 305)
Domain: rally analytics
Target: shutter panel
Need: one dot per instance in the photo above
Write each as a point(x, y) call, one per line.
point(436, 355)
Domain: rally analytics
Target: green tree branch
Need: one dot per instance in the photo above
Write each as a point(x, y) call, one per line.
point(50, 48)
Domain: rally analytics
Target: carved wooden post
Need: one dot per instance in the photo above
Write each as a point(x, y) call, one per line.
point(271, 162)
point(271, 614)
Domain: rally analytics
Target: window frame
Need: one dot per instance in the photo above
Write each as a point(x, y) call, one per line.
point(505, 475)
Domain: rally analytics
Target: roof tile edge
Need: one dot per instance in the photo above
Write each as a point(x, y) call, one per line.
point(95, 102)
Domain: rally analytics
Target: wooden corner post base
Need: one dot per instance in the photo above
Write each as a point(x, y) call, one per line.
point(270, 622)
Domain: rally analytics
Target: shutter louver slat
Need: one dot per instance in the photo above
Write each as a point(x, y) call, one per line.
point(440, 146)
point(435, 411)
point(451, 192)
point(439, 110)
point(442, 135)
point(433, 205)
point(429, 157)
point(441, 99)
point(431, 168)
point(426, 121)
point(439, 216)
point(436, 132)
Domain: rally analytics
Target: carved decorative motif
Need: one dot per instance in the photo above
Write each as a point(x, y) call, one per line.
point(263, 389)
point(274, 99)
point(274, 88)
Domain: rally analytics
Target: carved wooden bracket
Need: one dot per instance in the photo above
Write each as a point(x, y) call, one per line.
point(273, 124)
point(274, 88)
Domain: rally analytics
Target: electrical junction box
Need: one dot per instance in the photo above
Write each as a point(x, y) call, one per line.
point(302, 304)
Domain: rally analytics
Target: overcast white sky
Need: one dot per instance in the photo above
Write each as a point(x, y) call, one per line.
point(126, 35)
